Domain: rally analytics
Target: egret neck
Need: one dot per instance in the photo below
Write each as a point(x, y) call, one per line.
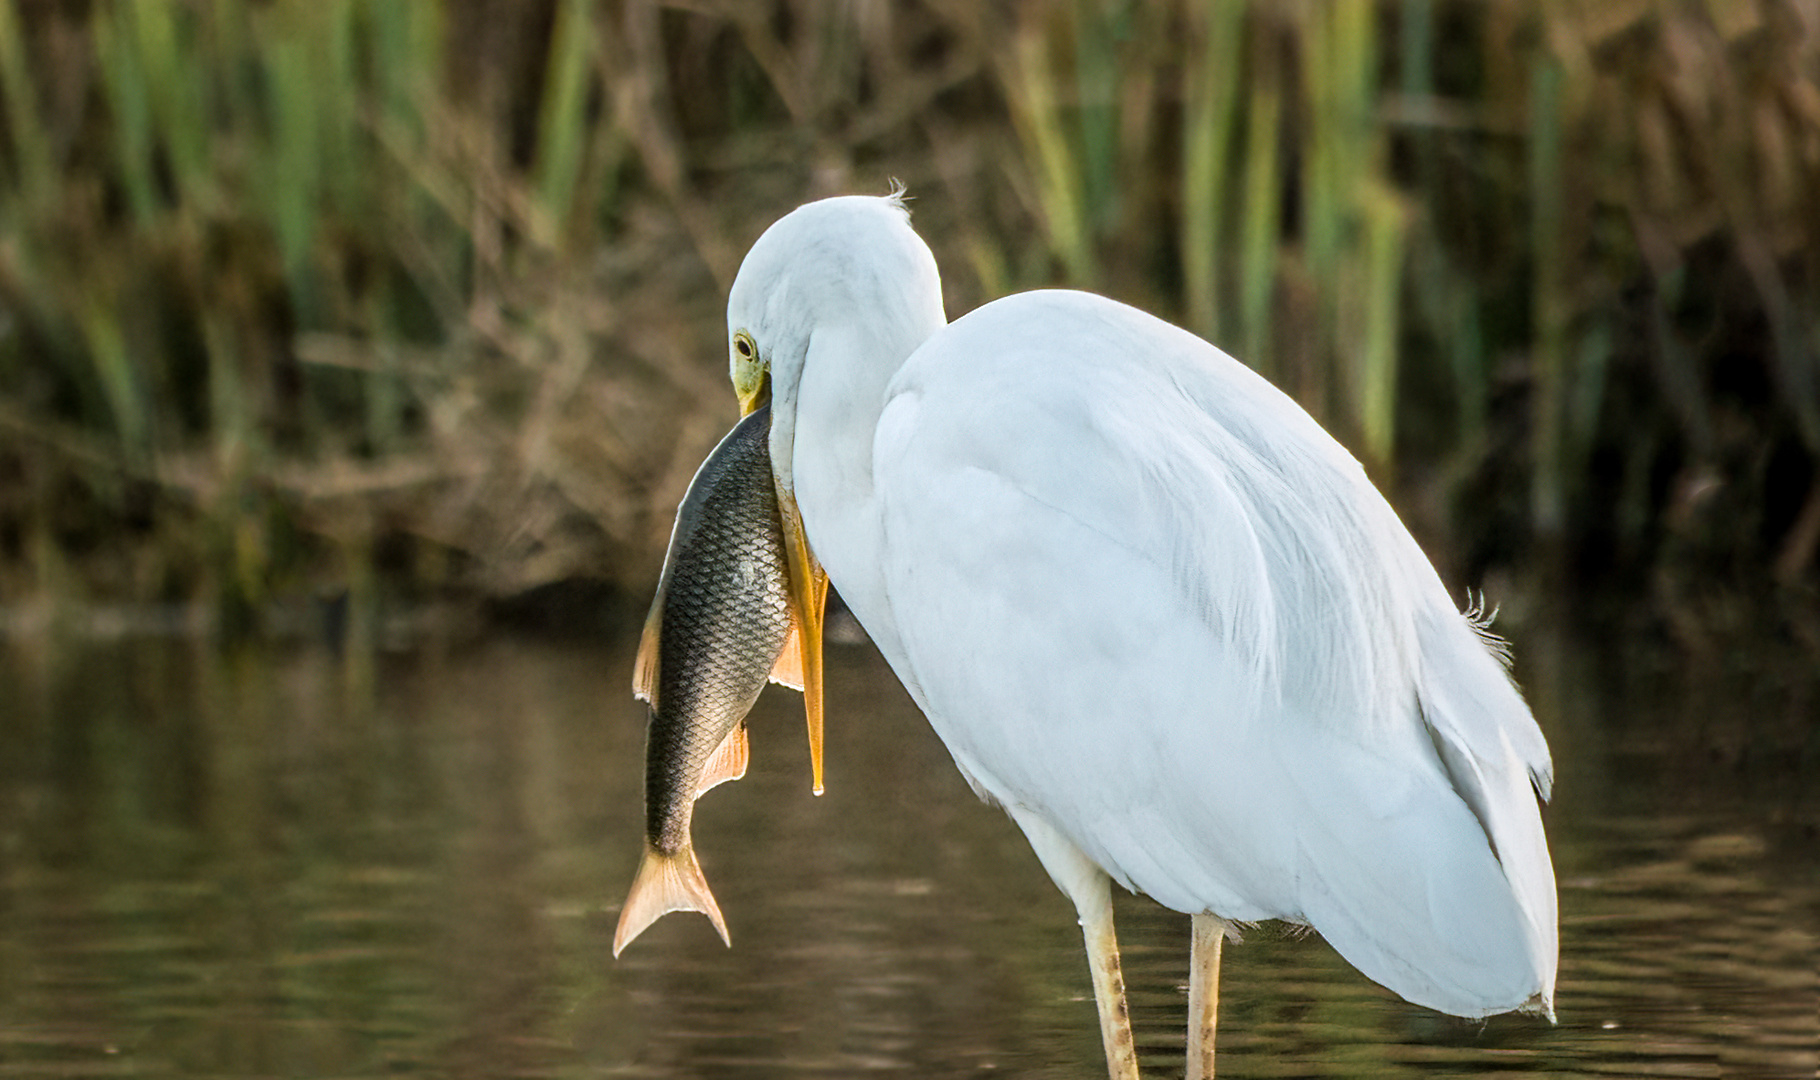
point(820, 333)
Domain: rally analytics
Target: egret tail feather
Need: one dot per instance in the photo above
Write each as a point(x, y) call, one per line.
point(666, 883)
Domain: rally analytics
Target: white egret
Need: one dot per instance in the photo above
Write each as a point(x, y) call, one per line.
point(1156, 613)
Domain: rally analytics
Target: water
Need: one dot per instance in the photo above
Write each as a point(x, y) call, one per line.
point(279, 864)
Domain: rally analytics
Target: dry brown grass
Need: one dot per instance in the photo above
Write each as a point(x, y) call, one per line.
point(435, 289)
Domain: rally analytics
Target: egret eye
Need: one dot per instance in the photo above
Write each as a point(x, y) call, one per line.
point(751, 380)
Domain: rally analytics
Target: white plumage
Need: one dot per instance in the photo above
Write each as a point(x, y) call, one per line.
point(1155, 612)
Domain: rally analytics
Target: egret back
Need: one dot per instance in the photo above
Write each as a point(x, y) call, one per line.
point(1140, 593)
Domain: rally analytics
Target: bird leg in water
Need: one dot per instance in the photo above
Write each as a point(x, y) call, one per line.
point(1204, 994)
point(1091, 890)
point(1108, 983)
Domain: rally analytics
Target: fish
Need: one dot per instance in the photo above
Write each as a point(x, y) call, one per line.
point(721, 626)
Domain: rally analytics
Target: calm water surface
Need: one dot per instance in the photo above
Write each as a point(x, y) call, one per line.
point(276, 863)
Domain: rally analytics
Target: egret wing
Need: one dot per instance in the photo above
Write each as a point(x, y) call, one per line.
point(1141, 594)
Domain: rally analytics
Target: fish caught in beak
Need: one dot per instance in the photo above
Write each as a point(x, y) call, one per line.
point(722, 624)
point(739, 604)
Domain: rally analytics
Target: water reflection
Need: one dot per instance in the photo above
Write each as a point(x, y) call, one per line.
point(275, 864)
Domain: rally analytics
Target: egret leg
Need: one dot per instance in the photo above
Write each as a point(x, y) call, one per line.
point(1091, 890)
point(1204, 994)
point(1109, 986)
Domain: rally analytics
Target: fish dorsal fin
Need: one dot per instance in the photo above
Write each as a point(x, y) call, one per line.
point(644, 668)
point(788, 671)
point(666, 883)
point(728, 761)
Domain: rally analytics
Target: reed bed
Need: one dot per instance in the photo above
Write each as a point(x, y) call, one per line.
point(424, 299)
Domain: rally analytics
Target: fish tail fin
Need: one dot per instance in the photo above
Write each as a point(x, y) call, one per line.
point(666, 883)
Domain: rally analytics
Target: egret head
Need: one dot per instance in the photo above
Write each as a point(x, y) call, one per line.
point(851, 263)
point(843, 288)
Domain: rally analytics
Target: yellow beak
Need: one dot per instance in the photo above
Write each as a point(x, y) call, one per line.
point(752, 384)
point(808, 595)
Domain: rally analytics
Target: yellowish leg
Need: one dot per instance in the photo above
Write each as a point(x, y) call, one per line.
point(1108, 984)
point(1091, 890)
point(1204, 994)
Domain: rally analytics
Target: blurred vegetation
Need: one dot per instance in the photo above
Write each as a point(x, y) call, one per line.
point(413, 299)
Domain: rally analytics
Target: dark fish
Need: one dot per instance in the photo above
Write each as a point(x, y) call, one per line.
point(718, 631)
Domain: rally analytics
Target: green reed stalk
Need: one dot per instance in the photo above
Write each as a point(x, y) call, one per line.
point(1037, 118)
point(119, 378)
point(30, 145)
point(1210, 113)
point(405, 41)
point(1443, 298)
point(1097, 26)
point(1382, 259)
point(1415, 56)
point(230, 420)
point(1448, 304)
point(124, 81)
point(291, 185)
point(562, 129)
point(1259, 225)
point(1325, 144)
point(162, 37)
point(1549, 305)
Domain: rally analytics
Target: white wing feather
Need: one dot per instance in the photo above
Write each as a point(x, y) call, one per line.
point(1268, 707)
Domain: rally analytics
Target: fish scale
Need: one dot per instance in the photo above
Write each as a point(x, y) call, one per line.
point(726, 615)
point(719, 623)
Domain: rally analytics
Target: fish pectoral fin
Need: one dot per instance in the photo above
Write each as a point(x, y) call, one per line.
point(666, 883)
point(728, 762)
point(644, 668)
point(788, 671)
